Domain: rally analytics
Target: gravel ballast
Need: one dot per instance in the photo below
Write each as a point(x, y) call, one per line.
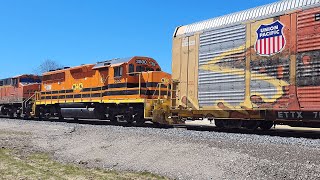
point(174, 153)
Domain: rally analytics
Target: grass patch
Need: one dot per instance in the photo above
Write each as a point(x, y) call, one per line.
point(41, 166)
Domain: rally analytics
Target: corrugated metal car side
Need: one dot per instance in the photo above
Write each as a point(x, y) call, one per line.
point(270, 75)
point(222, 66)
point(308, 64)
point(262, 73)
point(308, 30)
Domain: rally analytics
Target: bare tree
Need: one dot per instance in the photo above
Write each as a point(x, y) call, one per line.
point(47, 65)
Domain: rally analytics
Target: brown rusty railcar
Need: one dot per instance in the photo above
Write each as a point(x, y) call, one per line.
point(117, 89)
point(16, 93)
point(250, 68)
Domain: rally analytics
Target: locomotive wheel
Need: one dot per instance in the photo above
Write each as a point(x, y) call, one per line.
point(267, 125)
point(27, 116)
point(101, 115)
point(129, 118)
point(219, 123)
point(11, 115)
point(251, 124)
point(61, 118)
point(140, 122)
point(43, 117)
point(18, 116)
point(113, 118)
point(139, 119)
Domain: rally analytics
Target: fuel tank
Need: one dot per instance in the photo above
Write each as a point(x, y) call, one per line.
point(77, 110)
point(86, 113)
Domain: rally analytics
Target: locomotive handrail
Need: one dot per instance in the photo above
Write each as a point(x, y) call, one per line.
point(139, 74)
point(24, 103)
point(139, 84)
point(154, 93)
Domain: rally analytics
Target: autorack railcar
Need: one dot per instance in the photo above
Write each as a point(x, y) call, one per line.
point(250, 68)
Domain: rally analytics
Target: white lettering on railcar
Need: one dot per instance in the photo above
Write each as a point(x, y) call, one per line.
point(269, 31)
point(290, 115)
point(186, 43)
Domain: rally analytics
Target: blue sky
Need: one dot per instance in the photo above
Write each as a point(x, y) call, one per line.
point(74, 32)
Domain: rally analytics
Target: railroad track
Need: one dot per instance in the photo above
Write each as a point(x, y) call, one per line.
point(280, 132)
point(310, 134)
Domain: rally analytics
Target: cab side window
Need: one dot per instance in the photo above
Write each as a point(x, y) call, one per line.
point(54, 77)
point(138, 69)
point(150, 69)
point(14, 82)
point(118, 71)
point(131, 70)
point(7, 82)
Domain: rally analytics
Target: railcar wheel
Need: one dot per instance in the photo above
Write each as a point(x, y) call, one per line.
point(219, 123)
point(267, 125)
point(233, 124)
point(251, 124)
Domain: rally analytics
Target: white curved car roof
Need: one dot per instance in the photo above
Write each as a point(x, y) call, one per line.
point(265, 11)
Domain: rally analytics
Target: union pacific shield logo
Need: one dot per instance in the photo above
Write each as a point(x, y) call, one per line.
point(270, 39)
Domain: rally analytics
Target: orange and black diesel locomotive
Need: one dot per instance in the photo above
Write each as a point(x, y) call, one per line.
point(16, 94)
point(115, 89)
